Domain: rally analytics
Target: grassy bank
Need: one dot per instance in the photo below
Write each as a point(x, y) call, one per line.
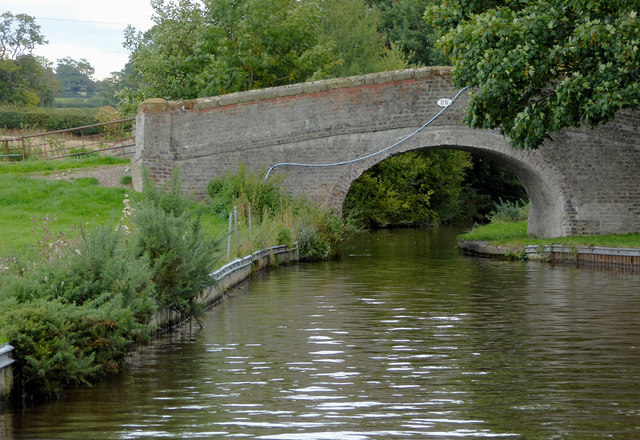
point(37, 211)
point(33, 208)
point(515, 235)
point(83, 269)
point(46, 166)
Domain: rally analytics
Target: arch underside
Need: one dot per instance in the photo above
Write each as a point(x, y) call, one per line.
point(546, 215)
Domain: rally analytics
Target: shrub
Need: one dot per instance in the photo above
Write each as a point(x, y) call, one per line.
point(75, 309)
point(244, 188)
point(103, 295)
point(60, 344)
point(509, 212)
point(310, 246)
point(321, 234)
point(169, 198)
point(168, 232)
point(47, 358)
point(18, 117)
point(73, 315)
point(108, 114)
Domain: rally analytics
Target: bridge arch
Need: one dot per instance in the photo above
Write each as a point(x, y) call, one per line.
point(584, 181)
point(546, 196)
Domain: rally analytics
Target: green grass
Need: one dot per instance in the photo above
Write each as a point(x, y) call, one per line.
point(92, 102)
point(515, 235)
point(33, 203)
point(29, 205)
point(44, 166)
point(499, 233)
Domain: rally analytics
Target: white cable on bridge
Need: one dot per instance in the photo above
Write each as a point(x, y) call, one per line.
point(409, 136)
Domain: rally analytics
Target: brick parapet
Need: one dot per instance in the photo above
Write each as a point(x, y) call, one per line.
point(251, 96)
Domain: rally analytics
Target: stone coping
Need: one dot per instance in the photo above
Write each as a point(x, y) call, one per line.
point(157, 105)
point(581, 250)
point(478, 247)
point(558, 252)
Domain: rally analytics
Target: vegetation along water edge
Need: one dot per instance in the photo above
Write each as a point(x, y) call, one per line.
point(94, 265)
point(506, 237)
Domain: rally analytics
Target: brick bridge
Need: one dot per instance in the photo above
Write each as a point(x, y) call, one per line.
point(583, 182)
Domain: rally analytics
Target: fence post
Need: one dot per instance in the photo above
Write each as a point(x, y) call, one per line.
point(250, 235)
point(235, 219)
point(6, 147)
point(24, 155)
point(229, 237)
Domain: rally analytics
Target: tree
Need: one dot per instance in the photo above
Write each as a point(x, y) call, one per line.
point(38, 76)
point(402, 23)
point(350, 29)
point(265, 43)
point(75, 76)
point(108, 88)
point(24, 79)
point(418, 187)
point(28, 80)
point(224, 46)
point(539, 66)
point(164, 61)
point(220, 46)
point(19, 34)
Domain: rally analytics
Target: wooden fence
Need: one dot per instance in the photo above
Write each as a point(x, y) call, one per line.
point(116, 138)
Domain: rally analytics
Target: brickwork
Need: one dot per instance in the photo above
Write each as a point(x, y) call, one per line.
point(583, 182)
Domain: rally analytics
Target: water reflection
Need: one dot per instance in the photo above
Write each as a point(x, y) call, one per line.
point(404, 338)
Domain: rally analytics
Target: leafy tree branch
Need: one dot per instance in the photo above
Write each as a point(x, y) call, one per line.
point(538, 67)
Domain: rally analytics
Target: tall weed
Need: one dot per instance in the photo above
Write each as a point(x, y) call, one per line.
point(509, 212)
point(243, 188)
point(276, 218)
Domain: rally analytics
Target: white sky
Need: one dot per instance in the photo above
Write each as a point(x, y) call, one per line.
point(90, 29)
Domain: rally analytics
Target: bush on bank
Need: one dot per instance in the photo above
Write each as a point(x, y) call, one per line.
point(72, 316)
point(170, 236)
point(73, 307)
point(73, 311)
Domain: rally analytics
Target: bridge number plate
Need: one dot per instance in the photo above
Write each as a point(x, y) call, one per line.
point(444, 102)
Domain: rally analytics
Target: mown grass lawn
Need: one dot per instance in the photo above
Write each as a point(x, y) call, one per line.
point(32, 208)
point(515, 235)
point(46, 166)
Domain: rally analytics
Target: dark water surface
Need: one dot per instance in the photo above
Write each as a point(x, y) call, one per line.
point(404, 338)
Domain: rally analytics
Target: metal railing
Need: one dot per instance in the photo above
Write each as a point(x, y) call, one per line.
point(5, 355)
point(116, 138)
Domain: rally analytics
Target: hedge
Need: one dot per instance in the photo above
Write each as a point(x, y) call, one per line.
point(47, 119)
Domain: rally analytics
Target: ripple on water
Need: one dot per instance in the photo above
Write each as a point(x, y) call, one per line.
point(419, 344)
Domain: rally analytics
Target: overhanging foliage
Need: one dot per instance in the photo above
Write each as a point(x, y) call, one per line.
point(540, 66)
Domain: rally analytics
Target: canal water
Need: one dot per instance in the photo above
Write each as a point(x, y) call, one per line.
point(403, 338)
